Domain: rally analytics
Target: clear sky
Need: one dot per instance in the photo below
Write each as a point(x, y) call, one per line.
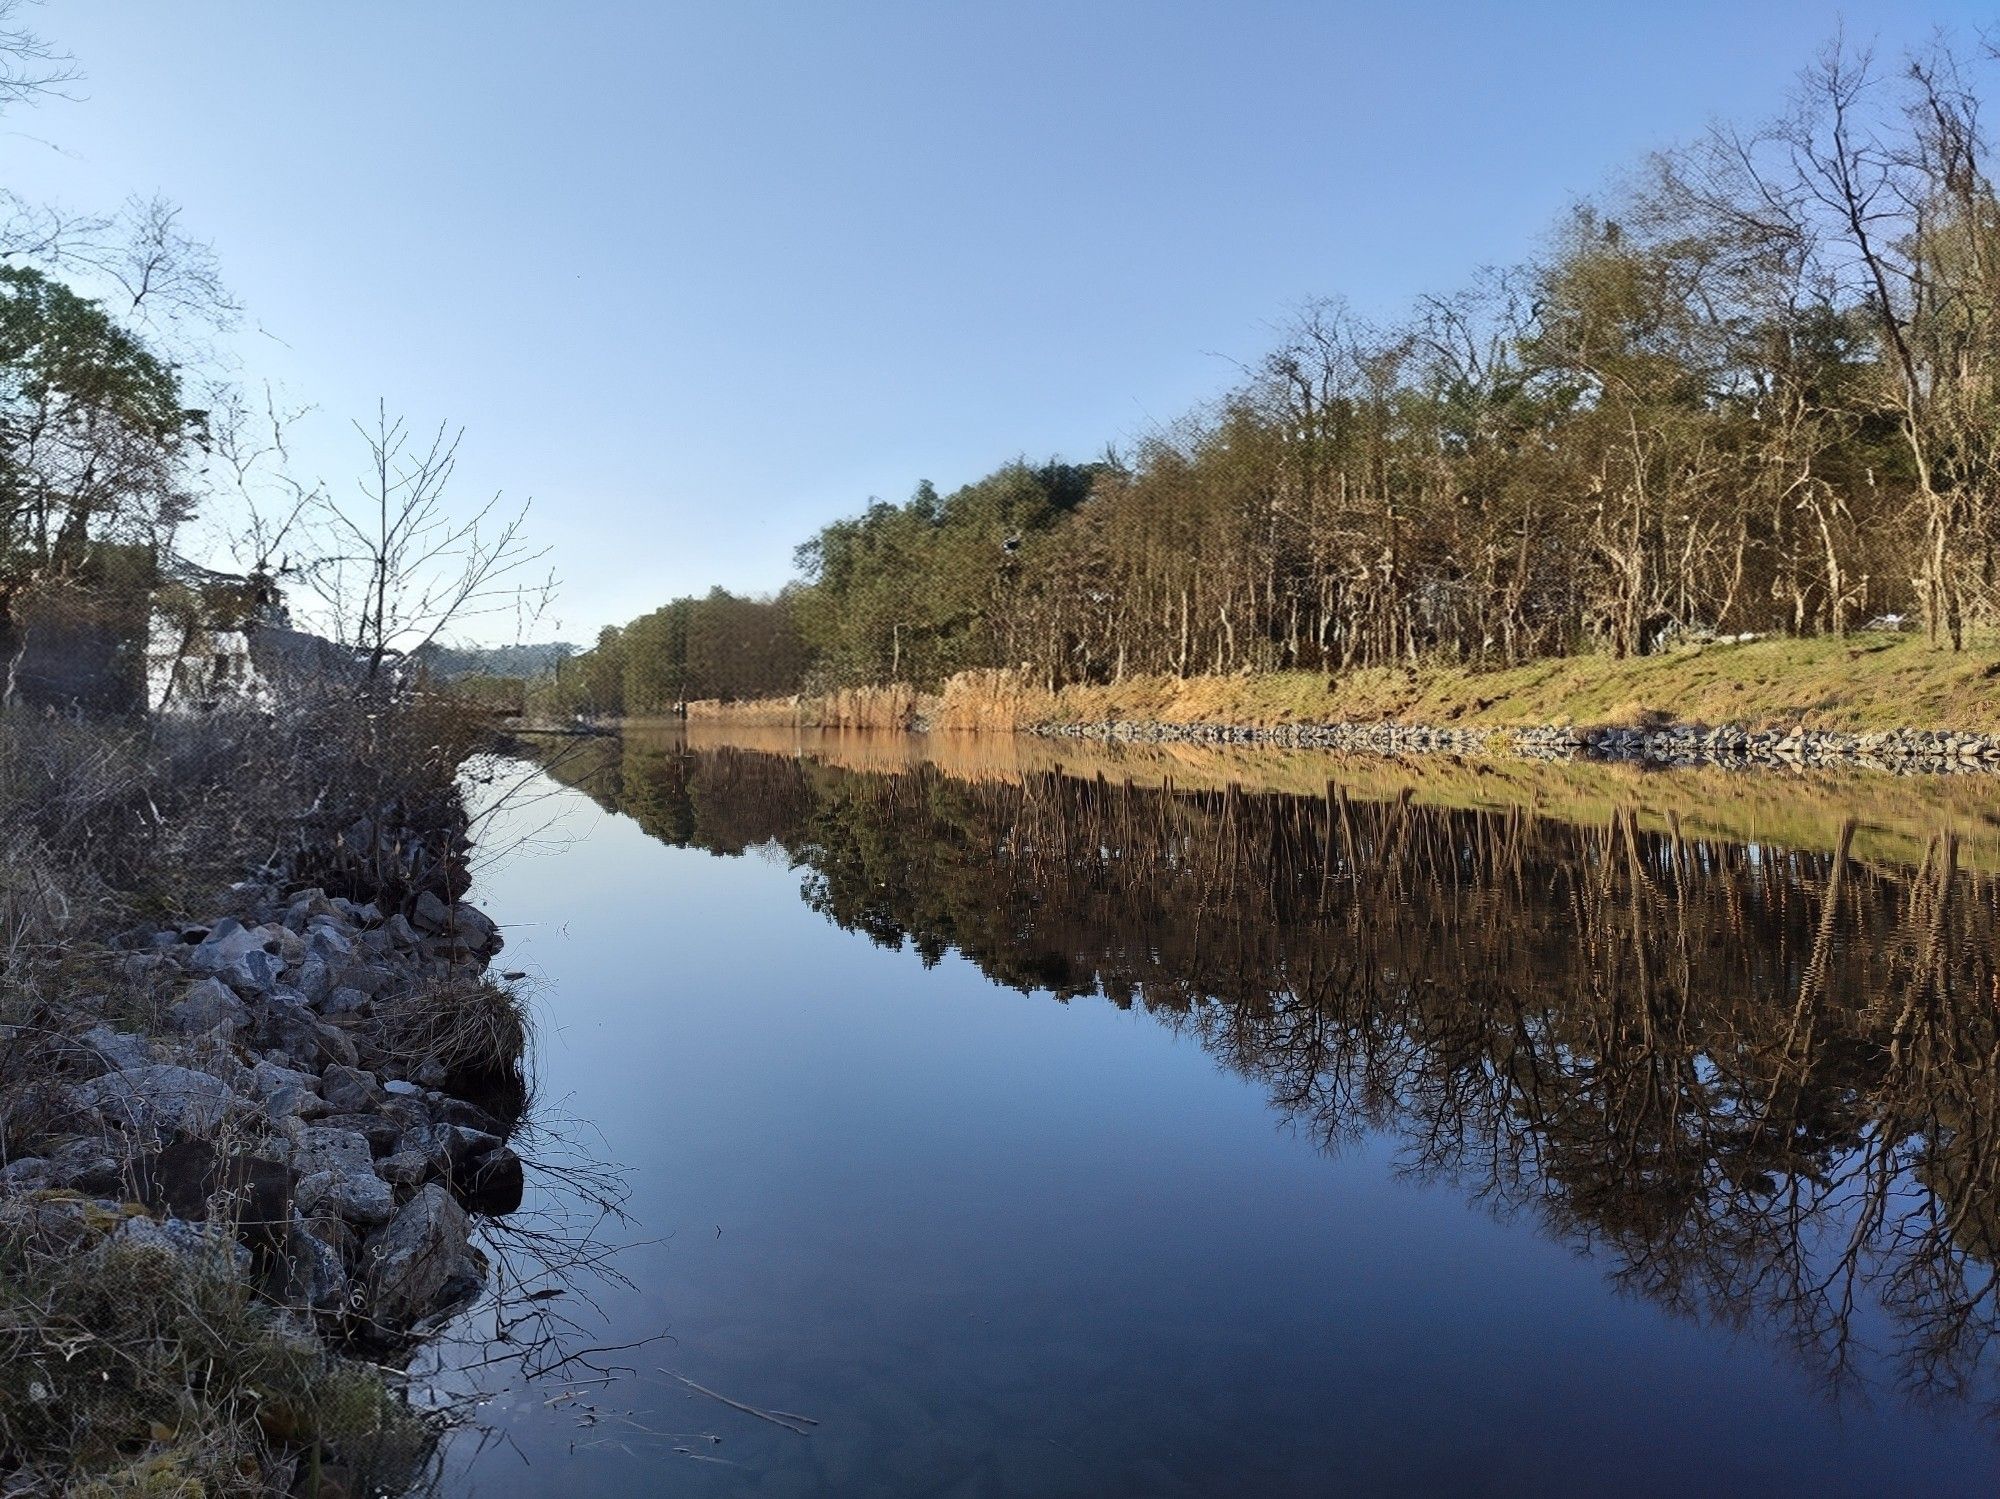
point(700, 277)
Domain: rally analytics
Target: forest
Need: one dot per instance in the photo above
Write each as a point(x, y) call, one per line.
point(1754, 388)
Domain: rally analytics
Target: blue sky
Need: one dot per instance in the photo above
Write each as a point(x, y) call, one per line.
point(699, 278)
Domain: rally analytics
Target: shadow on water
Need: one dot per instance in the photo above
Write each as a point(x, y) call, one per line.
point(1760, 1083)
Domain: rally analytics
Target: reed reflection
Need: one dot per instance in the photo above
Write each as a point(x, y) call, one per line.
point(1758, 1084)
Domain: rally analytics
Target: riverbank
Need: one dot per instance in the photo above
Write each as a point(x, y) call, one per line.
point(1874, 699)
point(244, 1123)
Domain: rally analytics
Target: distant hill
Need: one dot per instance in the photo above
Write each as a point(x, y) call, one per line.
point(527, 662)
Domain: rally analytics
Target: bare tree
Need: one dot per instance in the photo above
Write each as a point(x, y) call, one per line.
point(30, 66)
point(401, 566)
point(250, 464)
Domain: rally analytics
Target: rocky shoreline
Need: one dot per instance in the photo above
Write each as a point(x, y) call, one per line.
point(319, 1087)
point(1900, 751)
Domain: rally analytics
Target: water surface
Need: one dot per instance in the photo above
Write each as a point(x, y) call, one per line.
point(1288, 1125)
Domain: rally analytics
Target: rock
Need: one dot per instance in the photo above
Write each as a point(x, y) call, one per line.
point(349, 1090)
point(207, 1004)
point(468, 1276)
point(343, 1002)
point(57, 1224)
point(458, 1111)
point(313, 979)
point(409, 1264)
point(357, 1196)
point(476, 929)
point(85, 1166)
point(286, 1092)
point(268, 1077)
point(406, 1168)
point(321, 1147)
point(430, 913)
point(117, 1049)
point(30, 1173)
point(337, 1175)
point(311, 902)
point(149, 970)
point(253, 974)
point(382, 1133)
point(402, 1088)
point(303, 1037)
point(329, 942)
point(229, 942)
point(311, 1274)
point(177, 1238)
point(370, 979)
point(486, 1175)
point(159, 1097)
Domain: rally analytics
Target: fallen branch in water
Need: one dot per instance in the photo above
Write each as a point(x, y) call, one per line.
point(776, 1418)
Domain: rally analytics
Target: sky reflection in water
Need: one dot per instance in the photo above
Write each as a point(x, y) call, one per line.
point(1389, 1139)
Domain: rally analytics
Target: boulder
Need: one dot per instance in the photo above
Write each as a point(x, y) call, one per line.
point(487, 1175)
point(228, 942)
point(253, 974)
point(208, 1003)
point(343, 1001)
point(409, 1264)
point(313, 978)
point(357, 1196)
point(337, 1175)
point(173, 1238)
point(406, 1168)
point(430, 913)
point(159, 1097)
point(117, 1049)
point(311, 1274)
point(383, 1134)
point(350, 1090)
point(286, 1092)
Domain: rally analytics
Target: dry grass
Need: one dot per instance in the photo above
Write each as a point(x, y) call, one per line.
point(1868, 681)
point(894, 706)
point(1862, 683)
point(127, 1368)
point(130, 1368)
point(472, 1031)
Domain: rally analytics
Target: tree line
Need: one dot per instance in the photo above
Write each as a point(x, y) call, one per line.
point(1755, 389)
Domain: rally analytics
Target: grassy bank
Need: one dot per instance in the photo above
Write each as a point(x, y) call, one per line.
point(1860, 684)
point(153, 1338)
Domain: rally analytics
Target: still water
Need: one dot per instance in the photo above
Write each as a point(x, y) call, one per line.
point(1170, 1126)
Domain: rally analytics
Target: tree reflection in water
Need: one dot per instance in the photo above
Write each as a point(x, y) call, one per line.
point(1758, 1083)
